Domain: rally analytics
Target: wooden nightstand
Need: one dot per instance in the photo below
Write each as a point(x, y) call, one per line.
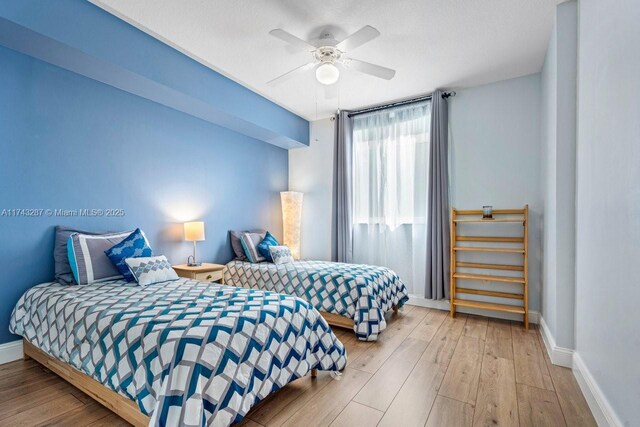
point(204, 273)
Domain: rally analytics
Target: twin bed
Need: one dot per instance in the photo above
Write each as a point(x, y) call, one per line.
point(192, 353)
point(348, 295)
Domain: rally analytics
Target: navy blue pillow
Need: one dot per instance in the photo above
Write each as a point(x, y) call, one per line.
point(263, 247)
point(135, 245)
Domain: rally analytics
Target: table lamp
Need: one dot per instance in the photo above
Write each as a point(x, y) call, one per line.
point(193, 232)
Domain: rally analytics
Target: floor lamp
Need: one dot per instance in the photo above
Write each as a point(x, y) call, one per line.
point(291, 219)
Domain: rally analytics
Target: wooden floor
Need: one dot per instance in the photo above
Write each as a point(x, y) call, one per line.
point(426, 369)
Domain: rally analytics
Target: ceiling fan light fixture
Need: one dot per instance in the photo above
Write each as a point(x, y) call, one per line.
point(326, 57)
point(327, 74)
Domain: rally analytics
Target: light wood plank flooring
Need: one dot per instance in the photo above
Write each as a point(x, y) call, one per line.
point(426, 369)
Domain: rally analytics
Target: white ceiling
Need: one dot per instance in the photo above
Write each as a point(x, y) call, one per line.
point(431, 43)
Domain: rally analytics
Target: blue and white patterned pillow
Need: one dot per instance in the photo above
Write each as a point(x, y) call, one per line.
point(267, 242)
point(150, 270)
point(281, 254)
point(135, 245)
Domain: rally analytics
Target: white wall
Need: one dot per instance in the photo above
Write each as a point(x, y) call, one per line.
point(311, 172)
point(608, 201)
point(495, 149)
point(495, 158)
point(558, 120)
point(548, 122)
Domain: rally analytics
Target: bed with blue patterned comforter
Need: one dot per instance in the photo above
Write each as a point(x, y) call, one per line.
point(188, 353)
point(363, 293)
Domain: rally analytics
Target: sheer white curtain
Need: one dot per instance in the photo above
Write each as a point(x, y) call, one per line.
point(390, 190)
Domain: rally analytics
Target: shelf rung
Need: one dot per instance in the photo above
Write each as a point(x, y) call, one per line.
point(504, 279)
point(495, 212)
point(503, 250)
point(489, 266)
point(488, 293)
point(490, 220)
point(489, 306)
point(490, 239)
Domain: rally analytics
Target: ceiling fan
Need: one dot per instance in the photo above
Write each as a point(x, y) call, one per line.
point(330, 54)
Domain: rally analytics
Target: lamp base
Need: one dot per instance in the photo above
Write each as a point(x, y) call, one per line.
point(191, 259)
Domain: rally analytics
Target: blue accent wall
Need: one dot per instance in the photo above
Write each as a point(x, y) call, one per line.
point(81, 37)
point(70, 142)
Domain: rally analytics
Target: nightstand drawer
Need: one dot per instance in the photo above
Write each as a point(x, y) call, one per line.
point(211, 276)
point(206, 272)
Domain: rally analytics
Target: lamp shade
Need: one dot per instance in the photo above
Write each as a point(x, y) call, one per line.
point(194, 231)
point(327, 74)
point(291, 219)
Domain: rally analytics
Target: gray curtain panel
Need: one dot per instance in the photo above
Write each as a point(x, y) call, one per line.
point(438, 242)
point(343, 199)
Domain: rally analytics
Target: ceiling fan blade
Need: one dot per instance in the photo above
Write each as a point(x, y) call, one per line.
point(372, 69)
point(357, 39)
point(292, 40)
point(331, 91)
point(286, 76)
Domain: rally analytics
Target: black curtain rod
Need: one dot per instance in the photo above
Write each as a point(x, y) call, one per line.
point(399, 103)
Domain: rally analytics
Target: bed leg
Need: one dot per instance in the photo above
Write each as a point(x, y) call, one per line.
point(25, 356)
point(314, 373)
point(395, 310)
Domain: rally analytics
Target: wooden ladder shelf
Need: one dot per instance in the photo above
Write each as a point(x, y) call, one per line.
point(492, 244)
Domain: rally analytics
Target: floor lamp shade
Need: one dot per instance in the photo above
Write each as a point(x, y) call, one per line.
point(291, 219)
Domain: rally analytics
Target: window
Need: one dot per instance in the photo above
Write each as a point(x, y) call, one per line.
point(391, 159)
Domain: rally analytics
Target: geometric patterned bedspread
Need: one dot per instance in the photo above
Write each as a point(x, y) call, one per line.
point(361, 292)
point(188, 353)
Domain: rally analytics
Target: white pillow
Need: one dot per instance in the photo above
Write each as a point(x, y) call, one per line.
point(150, 270)
point(281, 254)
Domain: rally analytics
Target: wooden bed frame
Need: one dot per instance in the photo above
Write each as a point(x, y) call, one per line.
point(343, 321)
point(122, 406)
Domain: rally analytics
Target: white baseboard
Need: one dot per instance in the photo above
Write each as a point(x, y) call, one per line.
point(600, 407)
point(10, 351)
point(560, 356)
point(598, 403)
point(442, 304)
point(534, 316)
